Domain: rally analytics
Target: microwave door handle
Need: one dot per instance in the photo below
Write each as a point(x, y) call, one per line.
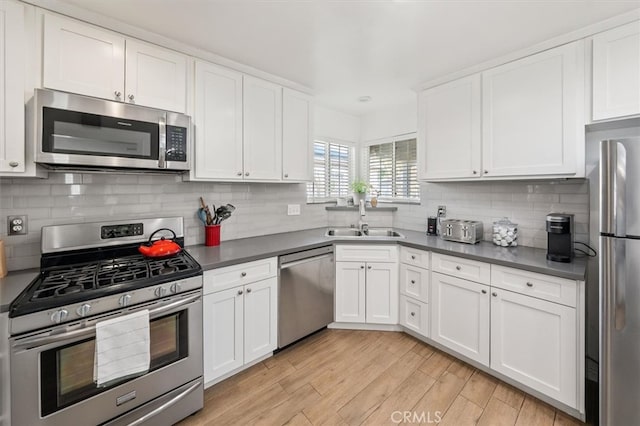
point(162, 143)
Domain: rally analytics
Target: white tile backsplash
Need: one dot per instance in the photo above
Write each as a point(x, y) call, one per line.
point(262, 208)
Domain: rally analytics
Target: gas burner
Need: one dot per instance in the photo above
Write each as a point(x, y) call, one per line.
point(74, 288)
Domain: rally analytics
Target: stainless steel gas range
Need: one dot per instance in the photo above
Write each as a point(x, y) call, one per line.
point(90, 273)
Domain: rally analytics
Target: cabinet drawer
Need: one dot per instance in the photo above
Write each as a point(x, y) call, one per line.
point(367, 253)
point(244, 273)
point(415, 257)
point(461, 268)
point(414, 315)
point(414, 282)
point(546, 287)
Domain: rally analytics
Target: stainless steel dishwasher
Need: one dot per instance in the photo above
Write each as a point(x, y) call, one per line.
point(305, 299)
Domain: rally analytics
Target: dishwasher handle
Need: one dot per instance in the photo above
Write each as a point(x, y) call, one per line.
point(305, 260)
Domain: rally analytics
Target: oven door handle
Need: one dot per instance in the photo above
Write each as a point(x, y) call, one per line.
point(166, 405)
point(39, 340)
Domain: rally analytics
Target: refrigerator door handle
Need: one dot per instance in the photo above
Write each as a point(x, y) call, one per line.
point(613, 177)
point(619, 282)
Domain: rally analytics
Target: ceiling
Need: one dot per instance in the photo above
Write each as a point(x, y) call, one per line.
point(347, 49)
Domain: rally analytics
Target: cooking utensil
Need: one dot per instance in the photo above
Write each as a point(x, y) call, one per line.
point(202, 215)
point(209, 218)
point(161, 247)
point(224, 212)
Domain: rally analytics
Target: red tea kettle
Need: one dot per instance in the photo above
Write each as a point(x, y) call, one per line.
point(161, 247)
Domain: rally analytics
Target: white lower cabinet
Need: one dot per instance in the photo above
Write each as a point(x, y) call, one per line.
point(350, 292)
point(414, 315)
point(460, 316)
point(535, 342)
point(240, 326)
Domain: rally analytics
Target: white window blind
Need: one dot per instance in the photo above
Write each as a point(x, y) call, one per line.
point(332, 171)
point(393, 170)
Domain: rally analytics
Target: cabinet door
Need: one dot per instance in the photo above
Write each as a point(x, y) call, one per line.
point(262, 113)
point(81, 58)
point(260, 318)
point(449, 120)
point(223, 332)
point(534, 342)
point(156, 77)
point(12, 71)
point(382, 293)
point(414, 315)
point(297, 134)
point(350, 292)
point(460, 316)
point(218, 122)
point(531, 114)
point(616, 72)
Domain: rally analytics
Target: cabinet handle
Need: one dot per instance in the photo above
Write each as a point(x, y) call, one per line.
point(239, 173)
point(13, 163)
point(458, 268)
point(494, 294)
point(413, 257)
point(239, 292)
point(369, 267)
point(361, 266)
point(286, 175)
point(117, 94)
point(484, 291)
point(413, 314)
point(243, 274)
point(246, 174)
point(131, 98)
point(248, 290)
point(413, 281)
point(486, 172)
point(529, 284)
point(475, 172)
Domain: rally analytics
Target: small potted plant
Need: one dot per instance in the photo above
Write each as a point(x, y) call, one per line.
point(359, 188)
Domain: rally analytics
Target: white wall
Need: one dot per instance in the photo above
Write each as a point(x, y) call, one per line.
point(335, 124)
point(389, 122)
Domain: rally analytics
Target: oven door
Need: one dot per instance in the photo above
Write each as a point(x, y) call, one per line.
point(53, 370)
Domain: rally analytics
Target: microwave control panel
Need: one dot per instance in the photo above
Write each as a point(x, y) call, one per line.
point(176, 144)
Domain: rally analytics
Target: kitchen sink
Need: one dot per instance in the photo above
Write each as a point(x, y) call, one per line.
point(372, 233)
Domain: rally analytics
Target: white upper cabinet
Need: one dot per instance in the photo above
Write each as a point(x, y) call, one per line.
point(449, 118)
point(616, 72)
point(80, 58)
point(155, 77)
point(88, 60)
point(297, 134)
point(532, 123)
point(262, 129)
point(12, 71)
point(218, 123)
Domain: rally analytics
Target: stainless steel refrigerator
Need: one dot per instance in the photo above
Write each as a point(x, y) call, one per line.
point(619, 283)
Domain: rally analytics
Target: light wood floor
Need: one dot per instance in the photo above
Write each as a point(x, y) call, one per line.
point(341, 377)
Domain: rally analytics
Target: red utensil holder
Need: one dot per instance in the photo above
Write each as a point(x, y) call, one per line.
point(212, 235)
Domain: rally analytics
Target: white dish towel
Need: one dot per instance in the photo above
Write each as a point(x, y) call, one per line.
point(122, 347)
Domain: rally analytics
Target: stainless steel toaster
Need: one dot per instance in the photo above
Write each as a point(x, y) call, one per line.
point(463, 231)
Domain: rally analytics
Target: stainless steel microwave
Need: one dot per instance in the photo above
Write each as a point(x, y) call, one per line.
point(80, 132)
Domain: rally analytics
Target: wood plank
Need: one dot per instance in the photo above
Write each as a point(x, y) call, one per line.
point(241, 411)
point(563, 419)
point(461, 369)
point(510, 395)
point(479, 388)
point(441, 395)
point(423, 349)
point(299, 420)
point(283, 413)
point(436, 364)
point(370, 398)
point(403, 398)
point(462, 413)
point(535, 413)
point(498, 413)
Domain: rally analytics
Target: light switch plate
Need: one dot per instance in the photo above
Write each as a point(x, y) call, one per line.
point(293, 209)
point(17, 225)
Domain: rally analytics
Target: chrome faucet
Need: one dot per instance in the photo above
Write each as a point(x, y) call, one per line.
point(362, 225)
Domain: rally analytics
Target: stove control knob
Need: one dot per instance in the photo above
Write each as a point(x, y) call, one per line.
point(59, 316)
point(124, 300)
point(160, 291)
point(84, 310)
point(175, 287)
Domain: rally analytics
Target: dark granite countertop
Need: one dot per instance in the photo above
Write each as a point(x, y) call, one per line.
point(254, 248)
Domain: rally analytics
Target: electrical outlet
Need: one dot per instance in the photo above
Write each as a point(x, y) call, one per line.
point(293, 209)
point(442, 211)
point(17, 225)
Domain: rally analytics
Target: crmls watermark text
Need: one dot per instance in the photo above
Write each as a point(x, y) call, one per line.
point(416, 417)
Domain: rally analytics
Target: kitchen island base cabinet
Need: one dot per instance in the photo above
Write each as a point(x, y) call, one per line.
point(240, 327)
point(534, 342)
point(460, 316)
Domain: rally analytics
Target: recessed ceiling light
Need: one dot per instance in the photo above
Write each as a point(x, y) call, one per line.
point(364, 99)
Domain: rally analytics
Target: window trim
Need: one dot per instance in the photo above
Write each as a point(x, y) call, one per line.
point(364, 163)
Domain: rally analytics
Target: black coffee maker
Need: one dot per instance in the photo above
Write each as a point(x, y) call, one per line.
point(560, 237)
